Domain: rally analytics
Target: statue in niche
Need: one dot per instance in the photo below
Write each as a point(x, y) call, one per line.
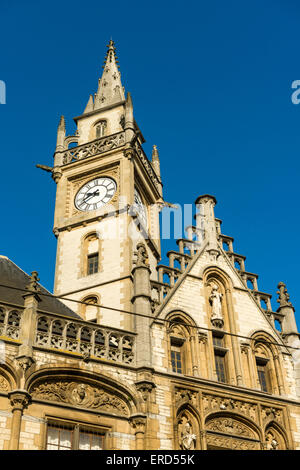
point(187, 437)
point(272, 444)
point(215, 300)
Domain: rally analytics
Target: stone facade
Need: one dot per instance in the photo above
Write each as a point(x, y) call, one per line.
point(121, 358)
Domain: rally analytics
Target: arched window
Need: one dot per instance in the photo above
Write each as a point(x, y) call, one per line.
point(91, 255)
point(100, 129)
point(267, 363)
point(180, 358)
point(90, 309)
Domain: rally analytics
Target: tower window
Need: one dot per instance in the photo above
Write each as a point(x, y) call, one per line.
point(100, 129)
point(93, 262)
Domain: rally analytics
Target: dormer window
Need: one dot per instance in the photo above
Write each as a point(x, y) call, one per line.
point(100, 129)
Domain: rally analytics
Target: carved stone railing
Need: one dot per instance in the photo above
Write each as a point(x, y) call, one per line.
point(96, 147)
point(147, 164)
point(85, 338)
point(10, 320)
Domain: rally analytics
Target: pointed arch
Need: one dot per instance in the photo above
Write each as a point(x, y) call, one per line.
point(275, 437)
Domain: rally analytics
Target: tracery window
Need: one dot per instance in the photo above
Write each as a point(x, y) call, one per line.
point(68, 436)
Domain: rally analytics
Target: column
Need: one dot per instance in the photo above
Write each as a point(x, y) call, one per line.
point(19, 399)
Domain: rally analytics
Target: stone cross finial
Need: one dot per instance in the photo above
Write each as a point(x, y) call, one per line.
point(284, 298)
point(33, 283)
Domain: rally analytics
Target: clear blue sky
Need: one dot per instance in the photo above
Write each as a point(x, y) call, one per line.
point(211, 86)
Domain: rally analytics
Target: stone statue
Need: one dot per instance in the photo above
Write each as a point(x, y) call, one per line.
point(272, 444)
point(215, 299)
point(188, 439)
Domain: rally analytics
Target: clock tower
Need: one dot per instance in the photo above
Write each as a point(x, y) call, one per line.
point(107, 203)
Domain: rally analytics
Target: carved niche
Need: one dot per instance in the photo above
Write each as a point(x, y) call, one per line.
point(215, 300)
point(80, 394)
point(186, 433)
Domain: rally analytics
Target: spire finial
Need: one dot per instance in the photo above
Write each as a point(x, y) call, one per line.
point(283, 295)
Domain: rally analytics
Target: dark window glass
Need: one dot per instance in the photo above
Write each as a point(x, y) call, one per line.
point(92, 267)
point(261, 370)
point(220, 367)
point(176, 361)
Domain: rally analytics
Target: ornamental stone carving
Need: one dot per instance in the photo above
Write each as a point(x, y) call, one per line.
point(230, 426)
point(215, 300)
point(141, 256)
point(216, 403)
point(187, 437)
point(80, 394)
point(230, 443)
point(271, 442)
point(4, 384)
point(185, 396)
point(271, 414)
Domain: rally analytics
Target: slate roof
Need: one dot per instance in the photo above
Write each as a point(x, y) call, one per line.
point(12, 275)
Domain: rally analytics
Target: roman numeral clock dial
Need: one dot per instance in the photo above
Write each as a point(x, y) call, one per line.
point(95, 194)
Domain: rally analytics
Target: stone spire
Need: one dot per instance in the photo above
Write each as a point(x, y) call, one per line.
point(110, 90)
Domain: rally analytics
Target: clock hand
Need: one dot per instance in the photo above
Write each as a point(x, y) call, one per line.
point(89, 195)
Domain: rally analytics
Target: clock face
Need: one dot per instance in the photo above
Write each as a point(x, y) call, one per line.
point(95, 194)
point(140, 208)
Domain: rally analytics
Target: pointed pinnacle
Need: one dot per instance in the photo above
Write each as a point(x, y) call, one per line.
point(155, 152)
point(62, 122)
